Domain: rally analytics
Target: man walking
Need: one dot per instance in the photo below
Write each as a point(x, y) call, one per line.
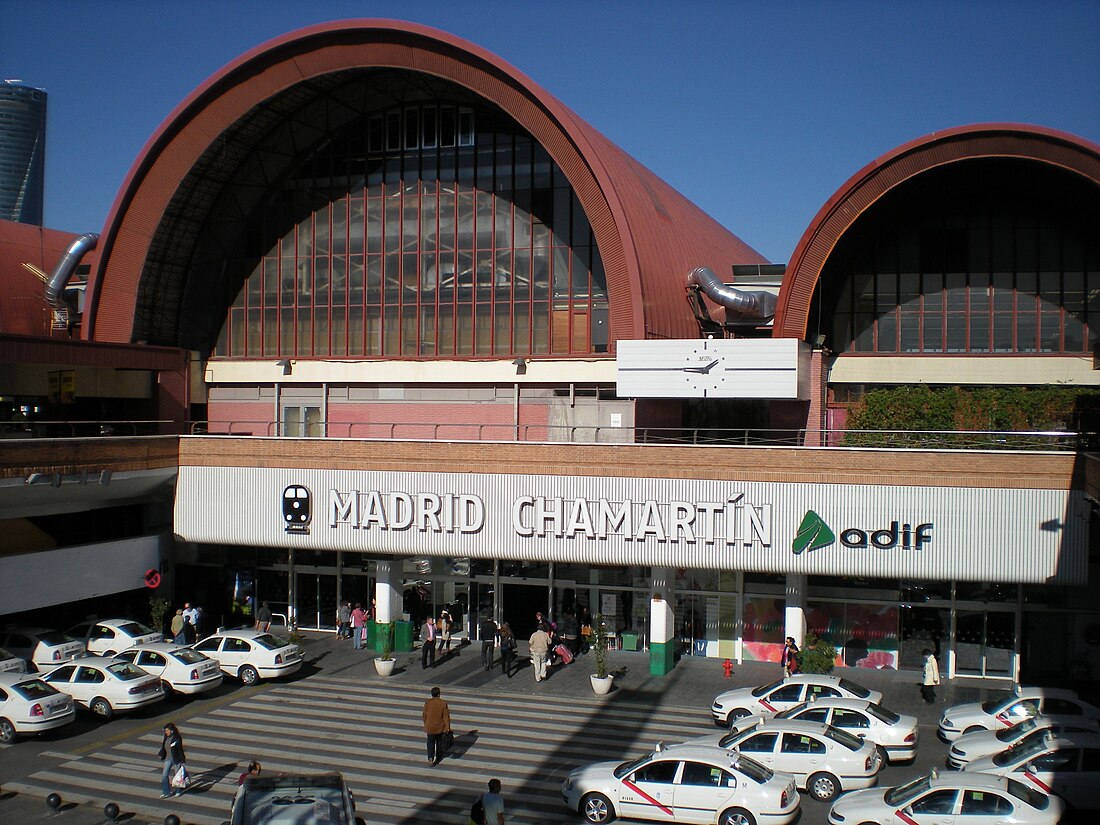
point(540, 649)
point(931, 677)
point(343, 621)
point(437, 722)
point(493, 804)
point(487, 632)
point(427, 643)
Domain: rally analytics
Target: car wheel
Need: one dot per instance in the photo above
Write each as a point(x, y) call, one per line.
point(7, 732)
point(110, 654)
point(973, 729)
point(737, 713)
point(597, 809)
point(883, 756)
point(101, 708)
point(249, 675)
point(737, 816)
point(823, 787)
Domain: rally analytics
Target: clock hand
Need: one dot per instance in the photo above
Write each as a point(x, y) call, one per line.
point(704, 369)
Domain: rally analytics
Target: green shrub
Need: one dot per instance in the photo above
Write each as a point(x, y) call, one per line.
point(817, 656)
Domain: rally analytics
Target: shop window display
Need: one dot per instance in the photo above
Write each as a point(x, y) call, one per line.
point(865, 635)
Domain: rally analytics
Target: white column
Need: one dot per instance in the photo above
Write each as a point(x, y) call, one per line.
point(795, 613)
point(387, 590)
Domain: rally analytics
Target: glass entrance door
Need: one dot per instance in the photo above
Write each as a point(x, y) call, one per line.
point(985, 643)
point(316, 594)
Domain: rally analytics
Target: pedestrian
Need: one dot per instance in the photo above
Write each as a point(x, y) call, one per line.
point(171, 754)
point(343, 620)
point(263, 618)
point(487, 632)
point(177, 628)
point(254, 769)
point(507, 649)
point(358, 621)
point(540, 648)
point(427, 643)
point(492, 806)
point(437, 723)
point(191, 614)
point(789, 656)
point(446, 623)
point(570, 632)
point(931, 677)
point(190, 632)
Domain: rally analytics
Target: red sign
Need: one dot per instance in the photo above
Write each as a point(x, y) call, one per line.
point(152, 578)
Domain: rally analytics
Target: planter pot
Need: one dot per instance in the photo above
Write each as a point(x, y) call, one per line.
point(601, 686)
point(384, 666)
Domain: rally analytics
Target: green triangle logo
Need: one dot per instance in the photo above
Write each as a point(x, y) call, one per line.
point(813, 533)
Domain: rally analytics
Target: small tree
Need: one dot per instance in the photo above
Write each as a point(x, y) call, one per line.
point(599, 645)
point(817, 656)
point(158, 607)
point(385, 629)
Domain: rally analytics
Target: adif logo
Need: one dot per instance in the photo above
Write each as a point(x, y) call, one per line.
point(813, 534)
point(296, 509)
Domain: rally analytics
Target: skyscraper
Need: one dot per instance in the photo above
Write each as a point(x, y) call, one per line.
point(22, 152)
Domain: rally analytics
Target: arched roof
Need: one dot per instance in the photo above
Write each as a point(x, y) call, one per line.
point(648, 234)
point(869, 184)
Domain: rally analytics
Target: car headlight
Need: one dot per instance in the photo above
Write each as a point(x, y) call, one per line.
point(567, 785)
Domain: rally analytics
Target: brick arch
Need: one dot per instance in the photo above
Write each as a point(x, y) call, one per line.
point(866, 187)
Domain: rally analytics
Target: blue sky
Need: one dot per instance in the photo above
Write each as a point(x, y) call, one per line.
point(756, 111)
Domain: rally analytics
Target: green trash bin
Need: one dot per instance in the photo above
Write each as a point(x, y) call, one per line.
point(373, 643)
point(630, 641)
point(403, 637)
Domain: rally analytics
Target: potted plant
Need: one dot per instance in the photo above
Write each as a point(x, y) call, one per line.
point(384, 664)
point(601, 679)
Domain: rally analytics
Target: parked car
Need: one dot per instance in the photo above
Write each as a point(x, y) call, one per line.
point(250, 655)
point(824, 760)
point(979, 743)
point(683, 784)
point(1023, 703)
point(895, 734)
point(953, 798)
point(1067, 765)
point(106, 637)
point(782, 694)
point(181, 669)
point(106, 686)
point(10, 663)
point(301, 799)
point(41, 647)
point(28, 705)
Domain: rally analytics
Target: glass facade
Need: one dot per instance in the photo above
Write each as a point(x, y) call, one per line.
point(426, 230)
point(22, 153)
point(986, 256)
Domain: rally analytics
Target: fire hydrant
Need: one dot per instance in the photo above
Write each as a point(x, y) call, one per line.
point(727, 668)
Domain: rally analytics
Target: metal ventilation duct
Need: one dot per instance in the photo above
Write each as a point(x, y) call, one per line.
point(752, 303)
point(65, 267)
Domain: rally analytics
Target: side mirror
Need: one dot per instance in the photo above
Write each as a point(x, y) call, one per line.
point(1029, 768)
point(660, 746)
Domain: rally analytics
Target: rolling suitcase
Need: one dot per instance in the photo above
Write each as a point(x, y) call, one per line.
point(563, 653)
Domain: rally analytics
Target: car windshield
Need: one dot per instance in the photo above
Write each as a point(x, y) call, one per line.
point(53, 637)
point(269, 641)
point(1016, 731)
point(790, 713)
point(902, 795)
point(136, 629)
point(852, 743)
point(729, 739)
point(1023, 750)
point(125, 671)
point(291, 806)
point(883, 714)
point(760, 691)
point(188, 656)
point(33, 689)
point(753, 770)
point(995, 706)
point(854, 689)
point(630, 767)
point(1032, 797)
point(5, 655)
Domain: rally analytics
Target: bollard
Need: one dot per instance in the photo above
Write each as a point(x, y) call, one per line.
point(53, 802)
point(111, 811)
point(727, 668)
point(171, 819)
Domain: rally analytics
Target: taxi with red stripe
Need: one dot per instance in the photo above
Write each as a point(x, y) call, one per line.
point(952, 798)
point(1023, 703)
point(683, 783)
point(1067, 765)
point(783, 694)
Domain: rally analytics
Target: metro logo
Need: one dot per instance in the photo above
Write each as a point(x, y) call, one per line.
point(813, 534)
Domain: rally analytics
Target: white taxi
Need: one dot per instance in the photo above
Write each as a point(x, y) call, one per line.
point(28, 705)
point(1023, 703)
point(10, 663)
point(825, 761)
point(895, 734)
point(41, 647)
point(251, 655)
point(182, 669)
point(106, 637)
point(979, 743)
point(1067, 765)
point(683, 784)
point(949, 799)
point(782, 694)
point(106, 686)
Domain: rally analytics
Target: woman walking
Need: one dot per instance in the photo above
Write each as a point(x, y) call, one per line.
point(507, 649)
point(790, 657)
point(171, 753)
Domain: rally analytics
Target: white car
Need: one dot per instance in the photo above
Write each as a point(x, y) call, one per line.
point(953, 798)
point(1068, 766)
point(782, 694)
point(106, 686)
point(250, 655)
point(106, 637)
point(895, 734)
point(10, 663)
point(975, 745)
point(41, 647)
point(1023, 703)
point(683, 784)
point(182, 669)
point(28, 705)
point(824, 760)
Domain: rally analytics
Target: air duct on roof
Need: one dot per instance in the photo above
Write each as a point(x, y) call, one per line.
point(752, 303)
point(63, 271)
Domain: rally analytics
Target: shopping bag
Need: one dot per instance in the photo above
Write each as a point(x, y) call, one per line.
point(448, 740)
point(564, 653)
point(180, 780)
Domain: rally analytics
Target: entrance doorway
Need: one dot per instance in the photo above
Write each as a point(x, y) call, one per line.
point(985, 643)
point(316, 594)
point(520, 604)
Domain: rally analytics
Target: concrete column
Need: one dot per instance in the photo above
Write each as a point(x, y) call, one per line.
point(795, 613)
point(662, 623)
point(387, 590)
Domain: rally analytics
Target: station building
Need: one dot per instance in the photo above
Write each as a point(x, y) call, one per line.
point(375, 317)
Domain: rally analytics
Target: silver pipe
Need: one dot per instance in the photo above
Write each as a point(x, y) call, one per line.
point(65, 267)
point(755, 303)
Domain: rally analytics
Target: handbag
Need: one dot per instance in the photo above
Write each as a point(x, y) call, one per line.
point(448, 741)
point(180, 778)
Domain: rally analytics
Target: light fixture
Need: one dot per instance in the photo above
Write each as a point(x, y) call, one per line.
point(286, 365)
point(520, 365)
